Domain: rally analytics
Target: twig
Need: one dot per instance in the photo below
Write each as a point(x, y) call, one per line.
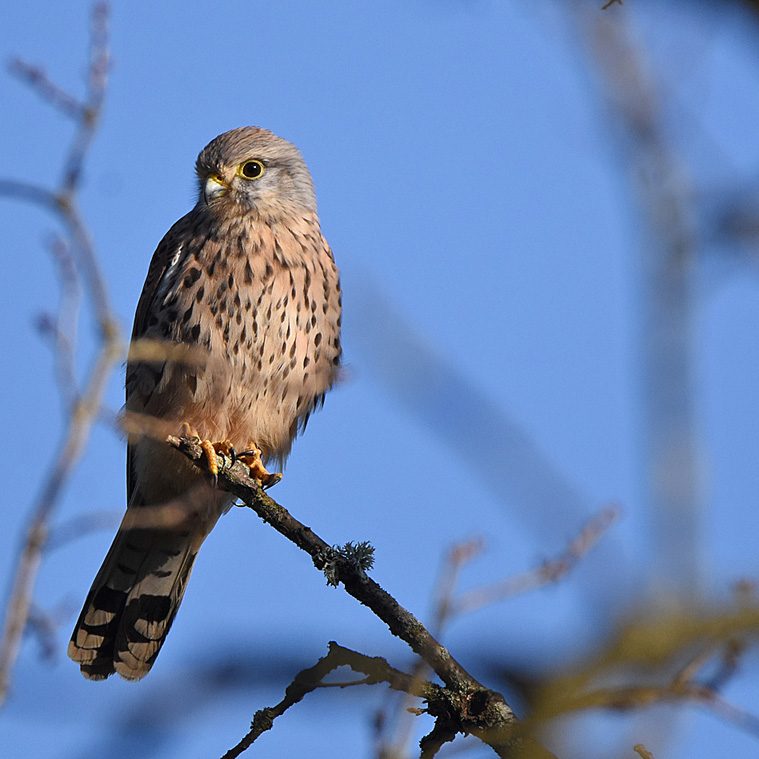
point(448, 606)
point(549, 572)
point(457, 557)
point(376, 669)
point(63, 327)
point(44, 626)
point(62, 203)
point(236, 481)
point(656, 643)
point(76, 527)
point(50, 92)
point(638, 697)
point(69, 450)
point(470, 706)
point(438, 737)
point(668, 263)
point(402, 623)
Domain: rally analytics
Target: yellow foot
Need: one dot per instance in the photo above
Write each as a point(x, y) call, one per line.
point(210, 450)
point(252, 459)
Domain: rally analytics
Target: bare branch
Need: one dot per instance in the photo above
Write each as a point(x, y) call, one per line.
point(654, 644)
point(402, 623)
point(470, 706)
point(84, 411)
point(51, 93)
point(547, 573)
point(376, 669)
point(76, 527)
point(62, 328)
point(69, 450)
point(661, 181)
point(97, 83)
point(62, 202)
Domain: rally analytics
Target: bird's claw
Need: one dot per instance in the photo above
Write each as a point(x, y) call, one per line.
point(211, 451)
point(252, 459)
point(224, 448)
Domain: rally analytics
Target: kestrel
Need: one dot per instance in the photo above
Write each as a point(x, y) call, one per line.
point(247, 282)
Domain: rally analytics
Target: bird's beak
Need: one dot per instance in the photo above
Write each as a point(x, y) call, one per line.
point(214, 187)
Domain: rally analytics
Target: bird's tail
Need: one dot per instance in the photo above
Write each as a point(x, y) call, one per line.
point(133, 600)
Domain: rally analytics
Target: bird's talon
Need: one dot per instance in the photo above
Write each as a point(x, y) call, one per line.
point(223, 448)
point(209, 456)
point(252, 459)
point(272, 479)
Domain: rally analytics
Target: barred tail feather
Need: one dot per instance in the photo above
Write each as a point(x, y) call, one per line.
point(133, 601)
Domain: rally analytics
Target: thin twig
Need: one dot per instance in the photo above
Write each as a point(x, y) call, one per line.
point(62, 328)
point(357, 583)
point(62, 203)
point(45, 626)
point(397, 745)
point(547, 573)
point(448, 606)
point(669, 257)
point(69, 450)
point(50, 92)
point(76, 527)
point(470, 706)
point(376, 669)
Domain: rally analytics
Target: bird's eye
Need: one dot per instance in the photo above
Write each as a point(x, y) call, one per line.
point(251, 169)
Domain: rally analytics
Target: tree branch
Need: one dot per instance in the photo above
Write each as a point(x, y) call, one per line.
point(468, 706)
point(376, 669)
point(62, 203)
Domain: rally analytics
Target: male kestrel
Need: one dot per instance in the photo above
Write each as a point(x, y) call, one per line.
point(247, 281)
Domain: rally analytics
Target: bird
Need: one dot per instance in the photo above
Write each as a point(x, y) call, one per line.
point(236, 341)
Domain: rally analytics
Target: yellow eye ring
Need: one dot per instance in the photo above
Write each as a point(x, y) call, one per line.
point(252, 169)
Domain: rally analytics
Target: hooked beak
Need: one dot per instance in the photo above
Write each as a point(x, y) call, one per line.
point(214, 188)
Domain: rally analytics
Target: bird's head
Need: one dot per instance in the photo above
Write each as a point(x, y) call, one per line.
point(251, 170)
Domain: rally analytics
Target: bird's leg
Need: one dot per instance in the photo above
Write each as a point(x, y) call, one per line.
point(210, 450)
point(252, 459)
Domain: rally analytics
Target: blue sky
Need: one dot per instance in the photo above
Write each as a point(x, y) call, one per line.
point(489, 240)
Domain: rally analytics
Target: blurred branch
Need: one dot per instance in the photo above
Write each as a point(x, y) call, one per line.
point(752, 5)
point(547, 573)
point(375, 669)
point(470, 707)
point(62, 200)
point(50, 92)
point(485, 437)
point(62, 329)
point(448, 605)
point(79, 526)
point(62, 203)
point(672, 476)
point(45, 627)
point(683, 642)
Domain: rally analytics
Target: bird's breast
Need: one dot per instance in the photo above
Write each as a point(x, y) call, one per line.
point(263, 302)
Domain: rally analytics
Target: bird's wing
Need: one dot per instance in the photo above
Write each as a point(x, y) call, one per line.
point(165, 255)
